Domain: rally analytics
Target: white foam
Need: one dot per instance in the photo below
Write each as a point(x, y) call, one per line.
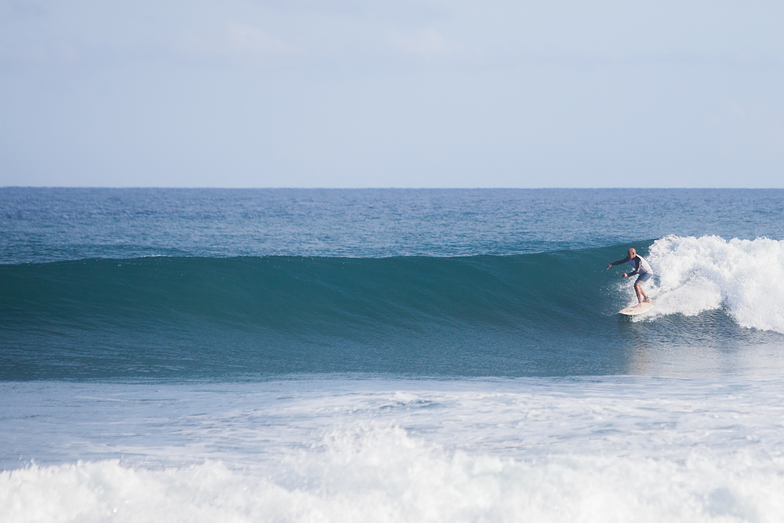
point(603, 450)
point(385, 475)
point(700, 274)
point(592, 449)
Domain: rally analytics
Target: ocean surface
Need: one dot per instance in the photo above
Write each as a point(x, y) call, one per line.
point(390, 355)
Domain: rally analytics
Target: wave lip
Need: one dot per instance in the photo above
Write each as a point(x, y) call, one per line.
point(746, 277)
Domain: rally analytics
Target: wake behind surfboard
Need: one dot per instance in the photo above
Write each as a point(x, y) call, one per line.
point(637, 309)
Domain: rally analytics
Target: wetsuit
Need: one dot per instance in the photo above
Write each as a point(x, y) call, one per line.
point(640, 266)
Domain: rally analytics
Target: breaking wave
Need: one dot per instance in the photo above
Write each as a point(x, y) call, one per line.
point(386, 475)
point(524, 315)
point(700, 274)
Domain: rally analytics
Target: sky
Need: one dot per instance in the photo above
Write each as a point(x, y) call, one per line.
point(391, 93)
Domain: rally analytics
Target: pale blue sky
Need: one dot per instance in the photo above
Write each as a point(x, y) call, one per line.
point(344, 93)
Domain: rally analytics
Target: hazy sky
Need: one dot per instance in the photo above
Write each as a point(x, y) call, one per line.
point(345, 93)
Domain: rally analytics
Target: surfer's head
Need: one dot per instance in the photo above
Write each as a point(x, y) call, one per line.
point(632, 253)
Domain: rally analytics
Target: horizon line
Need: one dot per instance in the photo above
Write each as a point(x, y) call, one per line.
point(383, 188)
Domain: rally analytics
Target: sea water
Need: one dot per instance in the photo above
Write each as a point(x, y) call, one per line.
point(390, 355)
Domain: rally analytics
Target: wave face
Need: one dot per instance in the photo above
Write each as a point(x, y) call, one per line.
point(536, 314)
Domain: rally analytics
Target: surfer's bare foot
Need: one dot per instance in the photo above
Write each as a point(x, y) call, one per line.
point(647, 300)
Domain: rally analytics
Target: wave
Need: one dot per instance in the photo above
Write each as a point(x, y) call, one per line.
point(387, 475)
point(701, 274)
point(295, 293)
point(549, 313)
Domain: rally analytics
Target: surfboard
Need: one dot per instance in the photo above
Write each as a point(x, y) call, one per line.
point(637, 309)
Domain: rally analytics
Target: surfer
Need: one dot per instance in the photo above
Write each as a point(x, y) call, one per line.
point(642, 268)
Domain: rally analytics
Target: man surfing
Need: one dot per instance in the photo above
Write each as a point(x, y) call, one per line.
point(642, 268)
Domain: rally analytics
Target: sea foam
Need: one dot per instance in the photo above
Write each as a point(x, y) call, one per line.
point(745, 277)
point(521, 450)
point(385, 475)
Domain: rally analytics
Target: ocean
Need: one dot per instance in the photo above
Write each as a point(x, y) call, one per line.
point(390, 355)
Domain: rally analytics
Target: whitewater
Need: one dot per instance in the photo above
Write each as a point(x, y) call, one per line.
point(282, 355)
point(744, 276)
point(566, 450)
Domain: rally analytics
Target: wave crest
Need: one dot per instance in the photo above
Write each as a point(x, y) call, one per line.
point(744, 276)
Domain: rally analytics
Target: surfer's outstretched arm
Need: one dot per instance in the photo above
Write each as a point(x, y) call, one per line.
point(625, 260)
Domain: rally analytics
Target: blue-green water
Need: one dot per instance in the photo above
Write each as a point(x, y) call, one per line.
point(43, 225)
point(225, 284)
point(389, 355)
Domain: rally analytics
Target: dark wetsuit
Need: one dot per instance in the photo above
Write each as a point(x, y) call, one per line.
point(641, 267)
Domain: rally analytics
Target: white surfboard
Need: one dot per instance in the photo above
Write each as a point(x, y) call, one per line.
point(637, 309)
